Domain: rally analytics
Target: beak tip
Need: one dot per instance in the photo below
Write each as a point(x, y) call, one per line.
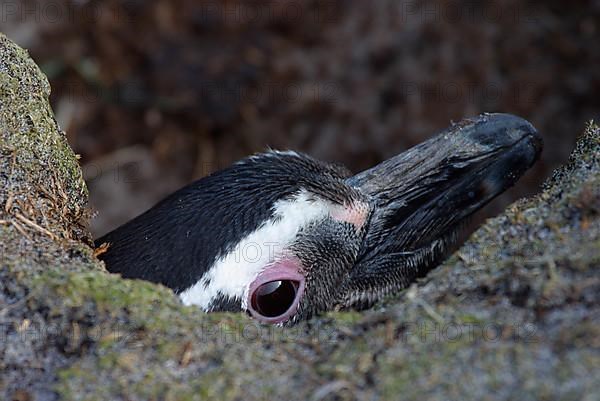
point(501, 129)
point(537, 142)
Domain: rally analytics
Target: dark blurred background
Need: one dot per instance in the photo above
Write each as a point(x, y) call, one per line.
point(155, 94)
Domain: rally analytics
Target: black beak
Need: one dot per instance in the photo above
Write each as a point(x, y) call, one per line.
point(424, 194)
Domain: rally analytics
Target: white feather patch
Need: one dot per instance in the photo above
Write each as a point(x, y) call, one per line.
point(232, 274)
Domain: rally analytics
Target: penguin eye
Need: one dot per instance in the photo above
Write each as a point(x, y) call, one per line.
point(274, 295)
point(274, 298)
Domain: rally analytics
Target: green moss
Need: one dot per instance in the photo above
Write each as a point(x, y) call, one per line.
point(104, 290)
point(28, 127)
point(346, 317)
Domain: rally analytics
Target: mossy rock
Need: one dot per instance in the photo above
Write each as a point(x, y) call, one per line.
point(514, 314)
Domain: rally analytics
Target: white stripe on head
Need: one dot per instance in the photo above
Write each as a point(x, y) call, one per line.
point(232, 274)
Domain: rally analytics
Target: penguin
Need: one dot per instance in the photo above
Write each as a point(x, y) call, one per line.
point(283, 236)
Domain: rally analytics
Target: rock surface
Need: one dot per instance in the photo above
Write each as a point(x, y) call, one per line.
point(514, 314)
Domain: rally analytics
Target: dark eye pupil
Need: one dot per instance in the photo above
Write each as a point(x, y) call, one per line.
point(275, 297)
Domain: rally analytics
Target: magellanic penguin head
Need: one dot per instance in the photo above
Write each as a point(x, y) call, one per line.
point(284, 236)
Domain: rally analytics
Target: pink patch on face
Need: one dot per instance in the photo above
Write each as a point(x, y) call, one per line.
point(274, 296)
point(355, 213)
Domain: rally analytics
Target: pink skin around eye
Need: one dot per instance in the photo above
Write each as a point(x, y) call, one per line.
point(279, 271)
